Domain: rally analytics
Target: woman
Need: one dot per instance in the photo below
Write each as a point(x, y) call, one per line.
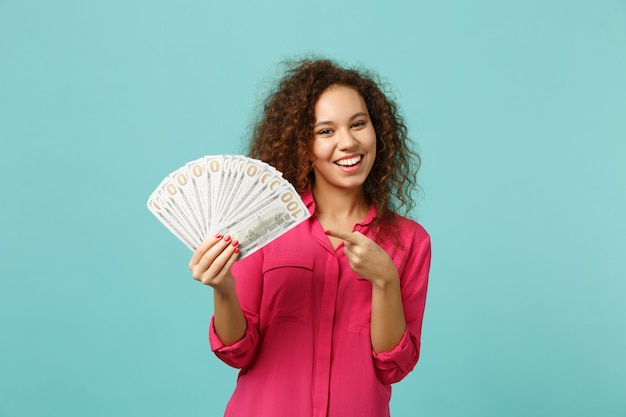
point(325, 318)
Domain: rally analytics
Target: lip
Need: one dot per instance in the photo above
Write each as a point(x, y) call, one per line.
point(348, 157)
point(351, 169)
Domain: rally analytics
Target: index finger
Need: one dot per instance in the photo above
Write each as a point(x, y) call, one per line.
point(348, 237)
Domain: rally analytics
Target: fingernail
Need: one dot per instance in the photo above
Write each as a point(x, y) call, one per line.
point(327, 232)
point(227, 238)
point(235, 242)
point(236, 250)
point(218, 236)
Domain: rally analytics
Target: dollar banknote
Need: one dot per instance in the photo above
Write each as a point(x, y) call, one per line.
point(228, 194)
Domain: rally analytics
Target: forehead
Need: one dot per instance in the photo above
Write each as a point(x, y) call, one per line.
point(339, 100)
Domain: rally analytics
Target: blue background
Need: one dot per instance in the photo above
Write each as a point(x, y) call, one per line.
point(518, 110)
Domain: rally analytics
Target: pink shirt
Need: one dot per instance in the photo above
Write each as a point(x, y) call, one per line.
point(307, 349)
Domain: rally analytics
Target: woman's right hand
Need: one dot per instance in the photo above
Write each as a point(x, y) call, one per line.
point(212, 261)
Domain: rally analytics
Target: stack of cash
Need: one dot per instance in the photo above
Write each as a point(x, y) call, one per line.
point(231, 195)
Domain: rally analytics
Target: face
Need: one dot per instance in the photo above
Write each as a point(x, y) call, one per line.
point(344, 140)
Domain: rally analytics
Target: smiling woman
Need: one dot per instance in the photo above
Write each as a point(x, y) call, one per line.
point(322, 320)
point(285, 131)
point(344, 144)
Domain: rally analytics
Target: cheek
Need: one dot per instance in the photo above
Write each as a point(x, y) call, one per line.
point(320, 150)
point(373, 140)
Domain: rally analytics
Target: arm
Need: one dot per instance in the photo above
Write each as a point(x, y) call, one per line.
point(387, 322)
point(211, 264)
point(413, 268)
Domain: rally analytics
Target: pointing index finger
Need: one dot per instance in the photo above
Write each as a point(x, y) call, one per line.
point(348, 237)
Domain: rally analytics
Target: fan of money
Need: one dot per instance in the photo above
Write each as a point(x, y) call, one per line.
point(228, 194)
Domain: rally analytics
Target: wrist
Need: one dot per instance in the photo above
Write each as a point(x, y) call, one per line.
point(226, 291)
point(389, 283)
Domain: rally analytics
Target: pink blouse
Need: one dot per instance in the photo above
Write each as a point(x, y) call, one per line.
point(307, 349)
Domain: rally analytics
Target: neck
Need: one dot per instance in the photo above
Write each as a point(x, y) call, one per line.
point(340, 203)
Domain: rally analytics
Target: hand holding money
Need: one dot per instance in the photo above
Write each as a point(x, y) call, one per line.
point(212, 260)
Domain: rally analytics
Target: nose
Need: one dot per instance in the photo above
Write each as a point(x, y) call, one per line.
point(346, 140)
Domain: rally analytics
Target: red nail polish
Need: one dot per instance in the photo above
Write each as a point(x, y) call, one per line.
point(218, 236)
point(327, 232)
point(227, 238)
point(236, 250)
point(235, 242)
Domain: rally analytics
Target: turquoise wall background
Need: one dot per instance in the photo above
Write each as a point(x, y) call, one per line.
point(518, 110)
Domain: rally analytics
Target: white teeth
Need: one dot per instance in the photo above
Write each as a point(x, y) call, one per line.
point(349, 162)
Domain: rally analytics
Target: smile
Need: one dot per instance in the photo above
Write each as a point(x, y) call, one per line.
point(348, 162)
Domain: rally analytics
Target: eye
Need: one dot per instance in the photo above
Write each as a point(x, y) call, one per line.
point(359, 123)
point(325, 132)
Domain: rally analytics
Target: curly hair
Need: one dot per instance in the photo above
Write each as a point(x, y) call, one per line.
point(283, 134)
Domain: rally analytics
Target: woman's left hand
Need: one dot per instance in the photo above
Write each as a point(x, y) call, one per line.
point(366, 258)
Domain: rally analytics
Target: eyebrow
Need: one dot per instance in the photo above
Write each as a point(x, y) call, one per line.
point(354, 116)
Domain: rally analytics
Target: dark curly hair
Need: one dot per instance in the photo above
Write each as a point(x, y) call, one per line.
point(283, 134)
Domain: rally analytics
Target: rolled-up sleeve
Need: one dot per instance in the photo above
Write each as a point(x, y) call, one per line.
point(240, 354)
point(393, 366)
